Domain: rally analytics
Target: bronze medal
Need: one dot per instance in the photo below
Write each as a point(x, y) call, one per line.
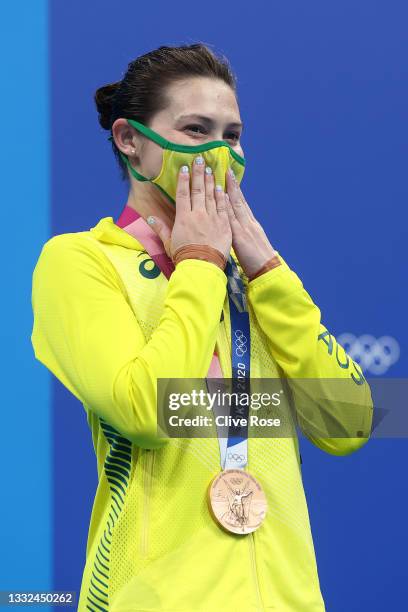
point(237, 501)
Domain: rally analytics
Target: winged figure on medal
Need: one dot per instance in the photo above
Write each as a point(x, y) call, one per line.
point(238, 505)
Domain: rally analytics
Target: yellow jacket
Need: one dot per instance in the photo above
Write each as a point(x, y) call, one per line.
point(107, 324)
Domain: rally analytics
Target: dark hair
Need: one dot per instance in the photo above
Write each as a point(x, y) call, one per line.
point(141, 93)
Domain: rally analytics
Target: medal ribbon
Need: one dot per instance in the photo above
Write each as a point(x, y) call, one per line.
point(234, 449)
point(236, 454)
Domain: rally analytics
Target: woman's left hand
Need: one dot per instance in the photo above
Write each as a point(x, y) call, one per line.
point(249, 240)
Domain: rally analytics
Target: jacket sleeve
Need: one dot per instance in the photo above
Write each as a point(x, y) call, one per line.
point(338, 399)
point(86, 333)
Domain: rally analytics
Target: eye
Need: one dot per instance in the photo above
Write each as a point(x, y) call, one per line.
point(233, 136)
point(192, 128)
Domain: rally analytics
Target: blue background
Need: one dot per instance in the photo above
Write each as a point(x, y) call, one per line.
point(323, 95)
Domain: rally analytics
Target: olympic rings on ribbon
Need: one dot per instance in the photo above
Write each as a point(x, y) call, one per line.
point(240, 343)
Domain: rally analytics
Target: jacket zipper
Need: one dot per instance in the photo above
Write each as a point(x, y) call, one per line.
point(147, 485)
point(254, 570)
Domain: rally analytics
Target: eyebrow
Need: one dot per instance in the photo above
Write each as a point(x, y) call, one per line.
point(208, 121)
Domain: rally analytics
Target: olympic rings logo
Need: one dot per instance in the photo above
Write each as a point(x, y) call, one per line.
point(375, 355)
point(236, 457)
point(240, 343)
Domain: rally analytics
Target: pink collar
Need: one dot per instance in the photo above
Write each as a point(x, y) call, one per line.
point(133, 223)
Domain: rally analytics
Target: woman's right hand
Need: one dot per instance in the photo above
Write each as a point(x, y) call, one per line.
point(201, 214)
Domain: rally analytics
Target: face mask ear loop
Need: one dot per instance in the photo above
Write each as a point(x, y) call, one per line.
point(135, 173)
point(150, 134)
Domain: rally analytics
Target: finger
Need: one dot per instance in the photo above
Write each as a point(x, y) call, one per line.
point(248, 209)
point(234, 223)
point(183, 201)
point(220, 201)
point(197, 184)
point(163, 231)
point(237, 204)
point(210, 202)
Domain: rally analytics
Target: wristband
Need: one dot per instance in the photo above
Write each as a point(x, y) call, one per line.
point(273, 262)
point(200, 251)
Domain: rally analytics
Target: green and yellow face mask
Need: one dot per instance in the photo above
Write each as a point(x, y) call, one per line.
point(218, 154)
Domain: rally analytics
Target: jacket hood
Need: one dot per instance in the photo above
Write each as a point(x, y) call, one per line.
point(106, 230)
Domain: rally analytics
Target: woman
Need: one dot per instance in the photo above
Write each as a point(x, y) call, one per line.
point(181, 287)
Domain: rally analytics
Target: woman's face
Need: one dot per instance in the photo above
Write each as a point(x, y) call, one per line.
point(200, 109)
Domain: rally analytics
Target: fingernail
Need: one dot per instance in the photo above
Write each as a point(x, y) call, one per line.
point(184, 169)
point(232, 173)
point(150, 220)
point(199, 160)
point(219, 188)
point(208, 170)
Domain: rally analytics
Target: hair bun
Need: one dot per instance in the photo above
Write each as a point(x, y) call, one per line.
point(104, 97)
